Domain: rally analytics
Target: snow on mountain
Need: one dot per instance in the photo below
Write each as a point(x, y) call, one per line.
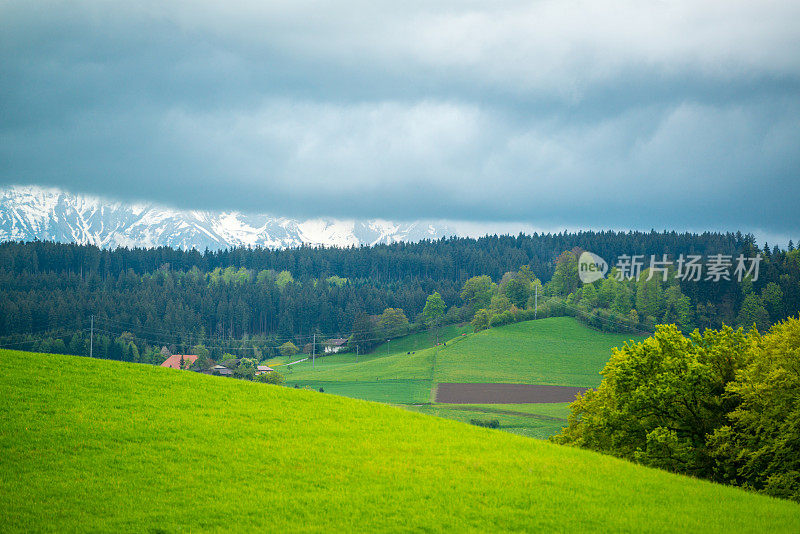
point(31, 212)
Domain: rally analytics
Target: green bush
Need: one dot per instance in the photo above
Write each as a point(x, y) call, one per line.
point(481, 320)
point(760, 446)
point(507, 317)
point(271, 378)
point(288, 349)
point(660, 400)
point(488, 423)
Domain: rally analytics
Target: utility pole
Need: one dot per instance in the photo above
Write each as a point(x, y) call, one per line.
point(91, 339)
point(536, 301)
point(314, 352)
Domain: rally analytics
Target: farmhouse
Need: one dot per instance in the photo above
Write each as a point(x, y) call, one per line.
point(174, 361)
point(263, 369)
point(221, 370)
point(332, 346)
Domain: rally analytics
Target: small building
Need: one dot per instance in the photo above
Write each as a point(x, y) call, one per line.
point(332, 346)
point(174, 361)
point(221, 370)
point(263, 369)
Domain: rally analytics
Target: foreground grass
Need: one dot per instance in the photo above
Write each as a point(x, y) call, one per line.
point(558, 351)
point(92, 445)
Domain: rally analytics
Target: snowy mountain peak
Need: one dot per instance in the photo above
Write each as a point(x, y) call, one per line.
point(31, 212)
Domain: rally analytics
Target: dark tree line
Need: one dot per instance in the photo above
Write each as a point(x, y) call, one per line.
point(454, 259)
point(164, 295)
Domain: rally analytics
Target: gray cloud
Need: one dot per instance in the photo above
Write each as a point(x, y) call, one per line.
point(601, 114)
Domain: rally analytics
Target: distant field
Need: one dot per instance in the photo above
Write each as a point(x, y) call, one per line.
point(92, 445)
point(423, 340)
point(558, 410)
point(524, 425)
point(557, 351)
point(343, 367)
point(533, 420)
point(396, 347)
point(553, 351)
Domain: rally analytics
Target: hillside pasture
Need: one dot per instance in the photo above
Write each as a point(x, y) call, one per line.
point(94, 445)
point(554, 351)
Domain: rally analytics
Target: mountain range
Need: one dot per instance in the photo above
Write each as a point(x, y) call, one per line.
point(30, 212)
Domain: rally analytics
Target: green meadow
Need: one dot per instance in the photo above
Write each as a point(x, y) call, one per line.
point(93, 445)
point(554, 351)
point(407, 357)
point(558, 351)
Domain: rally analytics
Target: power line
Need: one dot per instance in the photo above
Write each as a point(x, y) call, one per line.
point(178, 333)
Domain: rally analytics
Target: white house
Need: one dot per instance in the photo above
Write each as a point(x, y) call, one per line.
point(332, 346)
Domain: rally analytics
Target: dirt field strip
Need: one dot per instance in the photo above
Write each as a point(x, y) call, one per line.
point(504, 393)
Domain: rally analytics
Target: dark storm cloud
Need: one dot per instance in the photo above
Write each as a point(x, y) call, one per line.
point(603, 114)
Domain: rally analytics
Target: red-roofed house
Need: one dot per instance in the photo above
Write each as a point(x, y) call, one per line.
point(174, 361)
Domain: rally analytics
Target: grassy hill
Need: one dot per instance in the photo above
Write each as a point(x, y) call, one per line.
point(553, 351)
point(387, 360)
point(558, 351)
point(93, 445)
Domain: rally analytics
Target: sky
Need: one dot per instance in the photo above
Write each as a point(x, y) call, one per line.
point(553, 114)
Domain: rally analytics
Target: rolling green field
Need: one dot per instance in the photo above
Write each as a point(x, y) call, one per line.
point(555, 351)
point(93, 445)
point(558, 351)
point(387, 360)
point(402, 366)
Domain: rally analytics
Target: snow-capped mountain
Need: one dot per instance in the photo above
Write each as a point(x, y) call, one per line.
point(30, 212)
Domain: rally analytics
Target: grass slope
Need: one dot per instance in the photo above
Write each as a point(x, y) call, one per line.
point(560, 351)
point(381, 363)
point(422, 340)
point(92, 445)
point(557, 351)
point(417, 366)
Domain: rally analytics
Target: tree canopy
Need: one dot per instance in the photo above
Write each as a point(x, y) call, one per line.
point(722, 405)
